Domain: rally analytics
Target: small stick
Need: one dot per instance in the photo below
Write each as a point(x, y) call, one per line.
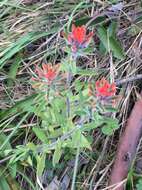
point(127, 146)
point(21, 127)
point(130, 79)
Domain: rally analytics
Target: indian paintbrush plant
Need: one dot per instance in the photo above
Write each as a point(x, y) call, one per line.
point(66, 112)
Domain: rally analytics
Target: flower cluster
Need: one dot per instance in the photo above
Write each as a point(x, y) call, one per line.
point(78, 38)
point(104, 88)
point(46, 74)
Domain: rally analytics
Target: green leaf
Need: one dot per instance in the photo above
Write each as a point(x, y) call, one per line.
point(78, 139)
point(84, 20)
point(31, 146)
point(6, 181)
point(21, 106)
point(7, 146)
point(89, 126)
point(57, 153)
point(58, 104)
point(139, 185)
point(72, 67)
point(40, 164)
point(13, 170)
point(58, 107)
point(102, 48)
point(72, 14)
point(40, 133)
point(110, 125)
point(112, 29)
point(107, 130)
point(78, 85)
point(110, 43)
point(14, 67)
point(84, 142)
point(80, 112)
point(116, 48)
point(3, 183)
point(55, 133)
point(13, 131)
point(130, 176)
point(3, 137)
point(113, 122)
point(20, 44)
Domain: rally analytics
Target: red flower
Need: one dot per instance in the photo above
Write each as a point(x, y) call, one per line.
point(78, 37)
point(47, 73)
point(104, 88)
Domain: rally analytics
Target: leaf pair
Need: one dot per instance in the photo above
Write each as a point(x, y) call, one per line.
point(109, 42)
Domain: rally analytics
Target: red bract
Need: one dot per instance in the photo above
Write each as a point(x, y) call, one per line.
point(104, 88)
point(47, 73)
point(78, 37)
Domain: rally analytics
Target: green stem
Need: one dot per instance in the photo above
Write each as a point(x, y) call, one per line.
point(75, 168)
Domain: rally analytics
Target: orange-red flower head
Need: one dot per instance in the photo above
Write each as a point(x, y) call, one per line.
point(47, 73)
point(104, 88)
point(78, 38)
